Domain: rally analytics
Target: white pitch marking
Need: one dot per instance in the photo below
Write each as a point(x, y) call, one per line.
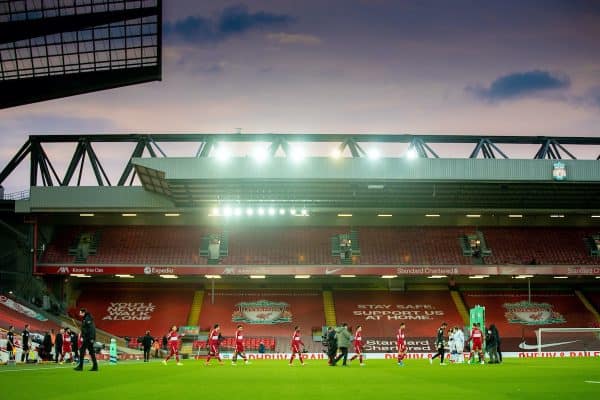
point(592, 381)
point(32, 369)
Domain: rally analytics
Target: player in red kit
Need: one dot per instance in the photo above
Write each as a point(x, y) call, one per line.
point(214, 339)
point(477, 346)
point(173, 345)
point(239, 346)
point(296, 342)
point(401, 344)
point(358, 345)
point(66, 346)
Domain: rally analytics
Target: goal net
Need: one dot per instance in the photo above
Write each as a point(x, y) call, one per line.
point(568, 339)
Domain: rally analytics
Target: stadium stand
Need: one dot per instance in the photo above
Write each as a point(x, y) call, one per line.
point(594, 299)
point(420, 245)
point(130, 310)
point(290, 246)
point(517, 319)
point(8, 317)
point(288, 308)
point(539, 246)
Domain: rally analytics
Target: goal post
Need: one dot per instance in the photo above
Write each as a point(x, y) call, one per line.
point(585, 336)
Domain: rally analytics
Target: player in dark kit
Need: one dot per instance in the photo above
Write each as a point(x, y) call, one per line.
point(88, 337)
point(10, 343)
point(439, 344)
point(25, 344)
point(214, 339)
point(296, 342)
point(147, 341)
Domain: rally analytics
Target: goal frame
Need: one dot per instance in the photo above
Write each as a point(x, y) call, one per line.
point(538, 333)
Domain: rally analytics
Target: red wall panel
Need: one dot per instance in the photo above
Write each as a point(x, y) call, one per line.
point(131, 311)
point(272, 313)
point(380, 313)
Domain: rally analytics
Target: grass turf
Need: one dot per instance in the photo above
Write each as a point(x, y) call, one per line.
point(270, 379)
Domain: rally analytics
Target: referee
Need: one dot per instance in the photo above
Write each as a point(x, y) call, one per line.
point(439, 343)
point(88, 334)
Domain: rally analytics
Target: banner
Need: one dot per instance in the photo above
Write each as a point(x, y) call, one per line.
point(334, 270)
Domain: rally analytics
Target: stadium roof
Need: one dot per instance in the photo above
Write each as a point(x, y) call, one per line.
point(59, 48)
point(354, 183)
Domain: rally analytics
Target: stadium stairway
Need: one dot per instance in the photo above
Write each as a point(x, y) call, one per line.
point(329, 308)
point(460, 306)
point(590, 307)
point(196, 308)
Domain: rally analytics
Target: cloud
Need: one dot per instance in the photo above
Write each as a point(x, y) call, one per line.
point(520, 84)
point(233, 20)
point(294, 38)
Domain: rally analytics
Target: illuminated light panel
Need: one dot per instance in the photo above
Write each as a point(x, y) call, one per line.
point(561, 277)
point(385, 215)
point(301, 276)
point(437, 276)
point(260, 155)
point(169, 276)
point(257, 276)
point(86, 214)
point(389, 276)
point(478, 276)
point(411, 154)
point(129, 215)
point(374, 154)
point(432, 215)
point(522, 276)
point(128, 276)
point(172, 215)
point(81, 275)
point(212, 276)
point(348, 276)
point(344, 215)
point(473, 215)
point(515, 215)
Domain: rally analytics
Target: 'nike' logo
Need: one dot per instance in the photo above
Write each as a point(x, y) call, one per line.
point(331, 271)
point(526, 346)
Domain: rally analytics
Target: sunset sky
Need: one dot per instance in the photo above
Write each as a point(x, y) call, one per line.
point(526, 67)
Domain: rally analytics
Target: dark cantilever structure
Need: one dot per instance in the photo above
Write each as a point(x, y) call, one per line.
point(59, 48)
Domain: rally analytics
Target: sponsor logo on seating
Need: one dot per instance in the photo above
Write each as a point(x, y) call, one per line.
point(526, 313)
point(129, 311)
point(262, 312)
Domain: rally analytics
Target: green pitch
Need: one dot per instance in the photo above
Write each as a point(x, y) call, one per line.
point(267, 379)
